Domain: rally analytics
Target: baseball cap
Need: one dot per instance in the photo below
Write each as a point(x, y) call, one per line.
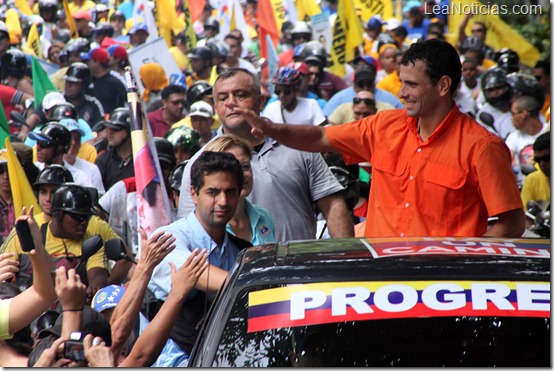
point(107, 297)
point(391, 24)
point(92, 323)
point(374, 22)
point(52, 99)
point(72, 126)
point(370, 61)
point(362, 75)
point(138, 27)
point(118, 52)
point(301, 67)
point(82, 14)
point(201, 108)
point(100, 55)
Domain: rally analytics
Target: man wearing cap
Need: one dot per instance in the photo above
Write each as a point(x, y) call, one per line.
point(200, 59)
point(108, 89)
point(41, 115)
point(171, 111)
point(117, 162)
point(361, 106)
point(119, 59)
point(201, 118)
point(235, 51)
point(53, 141)
point(82, 18)
point(138, 34)
point(71, 160)
point(364, 79)
point(103, 31)
point(371, 35)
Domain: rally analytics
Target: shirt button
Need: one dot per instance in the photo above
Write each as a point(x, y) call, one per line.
point(407, 204)
point(419, 149)
point(402, 234)
point(411, 177)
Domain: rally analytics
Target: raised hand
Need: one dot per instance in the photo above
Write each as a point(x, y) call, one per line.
point(185, 279)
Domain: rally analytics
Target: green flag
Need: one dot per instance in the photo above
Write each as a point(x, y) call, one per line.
point(4, 128)
point(41, 82)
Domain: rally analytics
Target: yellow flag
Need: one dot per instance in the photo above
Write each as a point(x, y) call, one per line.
point(307, 8)
point(347, 35)
point(13, 23)
point(22, 193)
point(70, 21)
point(168, 21)
point(499, 34)
point(190, 40)
point(213, 75)
point(33, 42)
point(24, 8)
point(279, 13)
point(370, 8)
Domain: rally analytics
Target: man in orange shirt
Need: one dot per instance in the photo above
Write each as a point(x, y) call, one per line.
point(436, 172)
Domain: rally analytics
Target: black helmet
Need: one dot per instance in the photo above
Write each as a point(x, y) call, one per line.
point(78, 45)
point(79, 72)
point(55, 134)
point(314, 51)
point(508, 59)
point(53, 174)
point(495, 78)
point(64, 111)
point(219, 48)
point(184, 136)
point(524, 84)
point(47, 4)
point(213, 24)
point(165, 150)
point(197, 91)
point(13, 63)
point(176, 176)
point(120, 118)
point(73, 198)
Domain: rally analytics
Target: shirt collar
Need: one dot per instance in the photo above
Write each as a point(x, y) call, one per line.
point(445, 124)
point(199, 235)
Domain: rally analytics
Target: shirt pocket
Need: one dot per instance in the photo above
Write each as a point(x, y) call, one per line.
point(443, 193)
point(389, 178)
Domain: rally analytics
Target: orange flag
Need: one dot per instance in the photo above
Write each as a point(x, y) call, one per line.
point(196, 8)
point(267, 25)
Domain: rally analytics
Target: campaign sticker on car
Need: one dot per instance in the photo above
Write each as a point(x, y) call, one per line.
point(428, 246)
point(317, 303)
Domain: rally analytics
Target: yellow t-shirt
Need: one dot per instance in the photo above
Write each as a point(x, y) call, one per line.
point(390, 83)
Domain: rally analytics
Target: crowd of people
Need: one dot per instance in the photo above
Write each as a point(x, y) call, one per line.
point(418, 138)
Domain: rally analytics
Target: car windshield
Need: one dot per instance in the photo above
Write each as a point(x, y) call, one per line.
point(433, 341)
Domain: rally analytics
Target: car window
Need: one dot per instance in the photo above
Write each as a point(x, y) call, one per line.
point(434, 341)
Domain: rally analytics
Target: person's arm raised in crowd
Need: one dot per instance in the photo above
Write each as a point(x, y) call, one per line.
point(29, 305)
point(151, 342)
point(337, 215)
point(153, 251)
point(509, 224)
point(462, 28)
point(72, 294)
point(303, 137)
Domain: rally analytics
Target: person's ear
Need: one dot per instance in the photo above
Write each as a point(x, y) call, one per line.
point(444, 84)
point(193, 195)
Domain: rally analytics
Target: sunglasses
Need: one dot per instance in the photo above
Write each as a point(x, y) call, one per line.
point(286, 91)
point(3, 169)
point(366, 101)
point(79, 217)
point(478, 30)
point(44, 144)
point(545, 158)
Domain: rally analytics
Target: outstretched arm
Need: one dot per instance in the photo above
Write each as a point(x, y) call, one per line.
point(27, 306)
point(308, 138)
point(151, 342)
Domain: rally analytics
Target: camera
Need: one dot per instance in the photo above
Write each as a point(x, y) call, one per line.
point(73, 348)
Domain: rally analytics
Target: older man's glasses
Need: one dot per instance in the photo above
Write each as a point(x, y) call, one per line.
point(366, 101)
point(285, 91)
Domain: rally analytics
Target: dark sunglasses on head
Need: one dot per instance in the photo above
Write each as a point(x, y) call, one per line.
point(285, 91)
point(44, 144)
point(79, 217)
point(366, 101)
point(3, 169)
point(545, 158)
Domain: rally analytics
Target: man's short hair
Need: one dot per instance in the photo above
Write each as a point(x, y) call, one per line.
point(482, 25)
point(214, 162)
point(529, 104)
point(441, 59)
point(232, 37)
point(172, 89)
point(231, 72)
point(542, 142)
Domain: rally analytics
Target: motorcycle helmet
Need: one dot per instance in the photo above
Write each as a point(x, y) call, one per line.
point(287, 76)
point(496, 78)
point(73, 198)
point(53, 174)
point(14, 63)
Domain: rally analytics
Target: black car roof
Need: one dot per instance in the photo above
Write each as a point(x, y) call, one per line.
point(392, 258)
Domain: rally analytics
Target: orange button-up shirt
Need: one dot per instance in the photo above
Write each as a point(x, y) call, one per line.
point(446, 186)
